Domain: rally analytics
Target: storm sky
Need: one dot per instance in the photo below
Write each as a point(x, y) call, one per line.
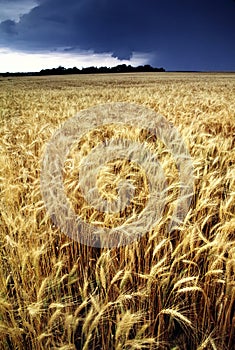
point(174, 34)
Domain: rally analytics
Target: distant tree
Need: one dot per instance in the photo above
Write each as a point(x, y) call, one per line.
point(121, 68)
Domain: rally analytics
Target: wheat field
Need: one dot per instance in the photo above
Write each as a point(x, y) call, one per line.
point(167, 290)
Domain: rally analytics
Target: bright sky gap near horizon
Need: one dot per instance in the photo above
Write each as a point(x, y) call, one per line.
point(176, 35)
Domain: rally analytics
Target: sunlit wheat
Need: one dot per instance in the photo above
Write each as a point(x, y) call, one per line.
point(167, 290)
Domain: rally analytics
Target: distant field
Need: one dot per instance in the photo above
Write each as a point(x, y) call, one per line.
point(167, 291)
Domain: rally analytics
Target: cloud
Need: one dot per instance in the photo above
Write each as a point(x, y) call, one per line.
point(14, 9)
point(9, 27)
point(114, 26)
point(184, 31)
point(16, 61)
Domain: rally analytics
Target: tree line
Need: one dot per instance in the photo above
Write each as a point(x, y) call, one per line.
point(121, 68)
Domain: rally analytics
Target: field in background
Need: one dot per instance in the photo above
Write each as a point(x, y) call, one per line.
point(166, 291)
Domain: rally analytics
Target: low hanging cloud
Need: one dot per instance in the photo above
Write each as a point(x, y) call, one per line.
point(17, 61)
point(115, 26)
point(162, 28)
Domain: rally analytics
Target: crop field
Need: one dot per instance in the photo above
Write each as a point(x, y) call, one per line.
point(166, 290)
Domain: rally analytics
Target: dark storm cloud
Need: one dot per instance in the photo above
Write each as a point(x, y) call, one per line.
point(115, 26)
point(183, 28)
point(8, 27)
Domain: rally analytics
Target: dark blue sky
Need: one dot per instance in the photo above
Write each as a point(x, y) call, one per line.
point(174, 34)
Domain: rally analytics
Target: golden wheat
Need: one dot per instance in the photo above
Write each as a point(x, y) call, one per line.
point(168, 290)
